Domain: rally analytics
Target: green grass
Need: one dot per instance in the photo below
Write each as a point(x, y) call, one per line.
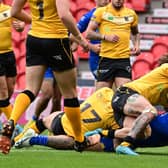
point(41, 157)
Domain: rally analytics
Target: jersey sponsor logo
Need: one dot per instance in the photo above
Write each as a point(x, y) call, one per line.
point(128, 68)
point(57, 57)
point(118, 19)
point(103, 70)
point(115, 99)
point(5, 15)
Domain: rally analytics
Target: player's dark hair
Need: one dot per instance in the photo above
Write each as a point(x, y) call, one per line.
point(163, 59)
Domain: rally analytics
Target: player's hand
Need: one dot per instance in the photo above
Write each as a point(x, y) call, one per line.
point(94, 139)
point(95, 47)
point(135, 51)
point(18, 25)
point(82, 42)
point(74, 46)
point(111, 38)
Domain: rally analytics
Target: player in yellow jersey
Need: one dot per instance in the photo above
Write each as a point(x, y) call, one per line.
point(8, 70)
point(138, 98)
point(48, 45)
point(7, 59)
point(115, 24)
point(96, 112)
point(158, 138)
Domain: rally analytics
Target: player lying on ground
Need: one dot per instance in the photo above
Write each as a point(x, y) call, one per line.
point(96, 113)
point(159, 137)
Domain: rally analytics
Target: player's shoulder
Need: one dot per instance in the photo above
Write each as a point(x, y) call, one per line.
point(101, 9)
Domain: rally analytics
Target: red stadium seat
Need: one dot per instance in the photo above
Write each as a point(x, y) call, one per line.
point(141, 6)
point(140, 68)
point(128, 5)
point(16, 37)
point(17, 53)
point(143, 64)
point(8, 2)
point(82, 8)
point(81, 54)
point(80, 12)
point(147, 57)
point(22, 48)
point(158, 50)
point(85, 3)
point(162, 40)
point(159, 47)
point(73, 7)
point(21, 64)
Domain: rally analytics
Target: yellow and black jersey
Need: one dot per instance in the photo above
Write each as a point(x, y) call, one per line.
point(45, 20)
point(5, 29)
point(153, 86)
point(111, 21)
point(96, 112)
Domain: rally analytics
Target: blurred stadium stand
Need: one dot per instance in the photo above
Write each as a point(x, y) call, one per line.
point(142, 65)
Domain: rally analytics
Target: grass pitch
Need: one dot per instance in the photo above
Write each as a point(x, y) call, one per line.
point(43, 157)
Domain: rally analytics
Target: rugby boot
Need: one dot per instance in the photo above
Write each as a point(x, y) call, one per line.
point(80, 146)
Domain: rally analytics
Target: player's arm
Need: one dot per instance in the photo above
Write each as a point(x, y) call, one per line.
point(92, 34)
point(17, 12)
point(63, 9)
point(82, 26)
point(18, 25)
point(91, 31)
point(135, 40)
point(110, 133)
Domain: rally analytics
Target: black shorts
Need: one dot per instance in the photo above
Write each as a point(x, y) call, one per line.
point(8, 64)
point(56, 125)
point(119, 100)
point(54, 53)
point(108, 69)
